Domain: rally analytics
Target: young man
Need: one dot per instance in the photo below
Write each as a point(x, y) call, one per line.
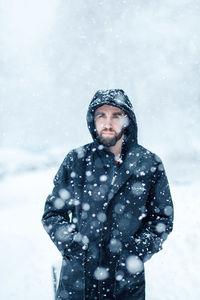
point(110, 209)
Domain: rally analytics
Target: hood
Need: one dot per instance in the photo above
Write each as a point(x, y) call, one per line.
point(118, 98)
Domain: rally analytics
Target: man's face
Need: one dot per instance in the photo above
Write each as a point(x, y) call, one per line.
point(110, 122)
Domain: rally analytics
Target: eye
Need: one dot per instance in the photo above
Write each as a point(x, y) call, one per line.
point(118, 116)
point(99, 115)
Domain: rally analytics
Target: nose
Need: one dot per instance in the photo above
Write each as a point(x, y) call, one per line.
point(107, 123)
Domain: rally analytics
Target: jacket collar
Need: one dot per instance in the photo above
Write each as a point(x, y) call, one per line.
point(131, 156)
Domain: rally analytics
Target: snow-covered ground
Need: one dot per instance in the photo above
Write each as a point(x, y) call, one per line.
point(27, 254)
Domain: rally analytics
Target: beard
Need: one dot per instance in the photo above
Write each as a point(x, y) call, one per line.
point(110, 141)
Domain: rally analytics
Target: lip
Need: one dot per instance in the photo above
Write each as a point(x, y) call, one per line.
point(107, 133)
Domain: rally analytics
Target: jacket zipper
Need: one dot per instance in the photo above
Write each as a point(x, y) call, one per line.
point(114, 175)
point(113, 179)
point(101, 240)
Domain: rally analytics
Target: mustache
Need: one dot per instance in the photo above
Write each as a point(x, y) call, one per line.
point(107, 130)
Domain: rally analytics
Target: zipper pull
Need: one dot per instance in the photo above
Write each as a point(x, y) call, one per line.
point(70, 216)
point(113, 179)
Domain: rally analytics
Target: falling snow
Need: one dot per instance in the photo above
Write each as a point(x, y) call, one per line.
point(101, 273)
point(59, 203)
point(134, 264)
point(138, 188)
point(103, 178)
point(29, 171)
point(64, 194)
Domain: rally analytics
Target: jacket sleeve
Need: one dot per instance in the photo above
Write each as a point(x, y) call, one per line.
point(59, 208)
point(158, 222)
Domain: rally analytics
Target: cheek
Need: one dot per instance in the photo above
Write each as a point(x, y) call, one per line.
point(98, 126)
point(117, 126)
point(124, 121)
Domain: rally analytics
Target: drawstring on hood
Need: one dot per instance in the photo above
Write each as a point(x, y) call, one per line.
point(114, 97)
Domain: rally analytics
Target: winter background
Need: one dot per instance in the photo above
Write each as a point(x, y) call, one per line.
point(54, 55)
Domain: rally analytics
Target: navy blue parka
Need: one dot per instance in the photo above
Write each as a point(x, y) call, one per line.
point(108, 219)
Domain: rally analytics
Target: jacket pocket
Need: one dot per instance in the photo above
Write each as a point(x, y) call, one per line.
point(129, 275)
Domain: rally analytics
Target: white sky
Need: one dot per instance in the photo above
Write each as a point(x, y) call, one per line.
point(55, 54)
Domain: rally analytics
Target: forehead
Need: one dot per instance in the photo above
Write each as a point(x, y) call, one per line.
point(109, 108)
